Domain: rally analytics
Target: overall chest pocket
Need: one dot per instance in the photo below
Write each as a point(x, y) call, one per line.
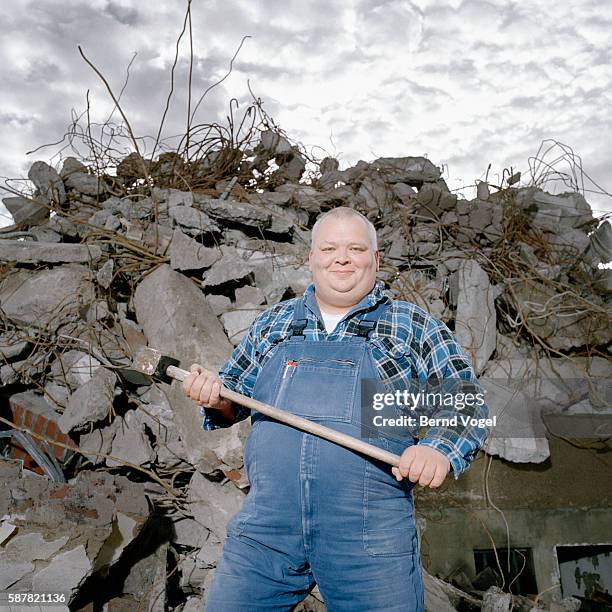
point(320, 389)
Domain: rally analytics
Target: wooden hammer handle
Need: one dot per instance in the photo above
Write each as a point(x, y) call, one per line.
point(299, 422)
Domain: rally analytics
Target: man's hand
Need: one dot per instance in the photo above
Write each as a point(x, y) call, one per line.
point(203, 387)
point(422, 464)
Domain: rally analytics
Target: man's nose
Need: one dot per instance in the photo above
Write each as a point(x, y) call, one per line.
point(342, 256)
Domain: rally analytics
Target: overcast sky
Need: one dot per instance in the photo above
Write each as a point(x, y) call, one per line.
point(466, 83)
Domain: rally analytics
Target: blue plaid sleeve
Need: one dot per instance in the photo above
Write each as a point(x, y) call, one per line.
point(447, 360)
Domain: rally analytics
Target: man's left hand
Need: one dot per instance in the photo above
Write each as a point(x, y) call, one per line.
point(422, 464)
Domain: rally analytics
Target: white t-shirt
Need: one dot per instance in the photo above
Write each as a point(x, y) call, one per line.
point(331, 320)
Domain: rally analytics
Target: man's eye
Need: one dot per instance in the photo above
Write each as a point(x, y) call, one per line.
point(326, 249)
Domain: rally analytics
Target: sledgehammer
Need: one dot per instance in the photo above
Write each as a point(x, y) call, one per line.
point(150, 365)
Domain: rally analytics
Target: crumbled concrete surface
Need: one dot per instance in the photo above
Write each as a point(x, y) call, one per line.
point(118, 272)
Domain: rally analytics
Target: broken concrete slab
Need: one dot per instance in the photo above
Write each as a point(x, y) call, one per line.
point(48, 182)
point(276, 198)
point(85, 183)
point(146, 580)
point(237, 323)
point(476, 319)
point(83, 509)
point(168, 296)
point(555, 212)
point(104, 276)
point(196, 221)
point(495, 600)
point(305, 197)
point(188, 254)
point(35, 252)
point(236, 212)
point(248, 296)
point(173, 197)
point(157, 415)
point(561, 319)
point(31, 547)
point(90, 403)
point(131, 444)
point(11, 348)
point(219, 303)
point(410, 170)
point(436, 600)
point(98, 443)
point(26, 210)
point(375, 195)
point(74, 368)
point(224, 448)
point(232, 266)
point(284, 221)
point(568, 246)
point(213, 505)
point(48, 297)
point(600, 244)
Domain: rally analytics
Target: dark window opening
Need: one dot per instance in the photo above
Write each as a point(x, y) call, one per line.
point(518, 571)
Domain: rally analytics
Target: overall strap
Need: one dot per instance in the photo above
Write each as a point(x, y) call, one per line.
point(299, 322)
point(367, 325)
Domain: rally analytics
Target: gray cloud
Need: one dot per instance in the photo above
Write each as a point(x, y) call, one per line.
point(123, 14)
point(467, 82)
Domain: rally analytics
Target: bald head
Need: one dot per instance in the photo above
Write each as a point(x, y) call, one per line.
point(344, 212)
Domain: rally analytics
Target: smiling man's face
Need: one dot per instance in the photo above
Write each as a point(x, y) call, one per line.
point(343, 263)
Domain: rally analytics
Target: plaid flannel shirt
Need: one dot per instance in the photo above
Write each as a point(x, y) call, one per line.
point(407, 344)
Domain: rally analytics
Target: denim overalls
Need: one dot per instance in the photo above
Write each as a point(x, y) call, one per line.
point(317, 512)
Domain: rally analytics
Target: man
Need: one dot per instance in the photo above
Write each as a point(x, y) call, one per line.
point(317, 512)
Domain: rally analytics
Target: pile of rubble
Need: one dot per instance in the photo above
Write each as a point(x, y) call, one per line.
point(98, 266)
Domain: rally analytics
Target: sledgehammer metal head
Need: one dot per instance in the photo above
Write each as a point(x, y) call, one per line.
point(149, 365)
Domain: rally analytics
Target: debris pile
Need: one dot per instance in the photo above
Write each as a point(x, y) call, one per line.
point(99, 265)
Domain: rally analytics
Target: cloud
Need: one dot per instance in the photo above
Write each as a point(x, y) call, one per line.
point(123, 14)
point(467, 82)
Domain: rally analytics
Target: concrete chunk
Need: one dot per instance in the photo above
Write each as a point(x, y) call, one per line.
point(48, 182)
point(219, 303)
point(231, 266)
point(90, 403)
point(188, 254)
point(213, 505)
point(560, 319)
point(237, 323)
point(85, 183)
point(68, 569)
point(238, 212)
point(34, 252)
point(249, 296)
point(104, 276)
point(26, 210)
point(410, 170)
point(192, 218)
point(476, 320)
point(178, 321)
point(600, 244)
point(48, 297)
point(131, 443)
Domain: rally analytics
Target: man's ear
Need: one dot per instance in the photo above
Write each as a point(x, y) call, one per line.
point(309, 264)
point(377, 256)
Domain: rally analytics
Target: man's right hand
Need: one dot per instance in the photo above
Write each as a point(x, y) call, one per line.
point(203, 387)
